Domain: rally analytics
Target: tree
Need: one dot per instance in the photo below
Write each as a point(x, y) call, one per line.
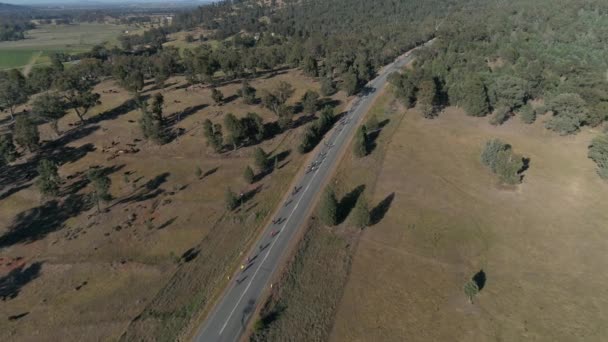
point(254, 127)
point(283, 92)
point(598, 152)
point(214, 135)
point(151, 125)
point(13, 91)
point(158, 101)
point(501, 115)
point(569, 113)
point(527, 114)
point(310, 101)
point(198, 172)
point(217, 96)
point(26, 133)
point(350, 83)
point(475, 101)
point(248, 175)
point(50, 107)
point(510, 91)
point(129, 72)
point(8, 152)
point(232, 200)
point(48, 179)
point(247, 93)
point(328, 87)
point(471, 289)
point(260, 158)
point(499, 157)
point(427, 98)
point(76, 86)
point(40, 78)
point(235, 129)
point(360, 144)
point(361, 213)
point(101, 186)
point(372, 123)
point(310, 67)
point(404, 87)
point(328, 211)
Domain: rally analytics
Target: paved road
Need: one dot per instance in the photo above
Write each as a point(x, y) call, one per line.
point(229, 318)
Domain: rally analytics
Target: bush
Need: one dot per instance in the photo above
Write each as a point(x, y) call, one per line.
point(232, 200)
point(569, 113)
point(361, 214)
point(499, 157)
point(527, 114)
point(248, 175)
point(501, 115)
point(360, 143)
point(598, 152)
point(328, 87)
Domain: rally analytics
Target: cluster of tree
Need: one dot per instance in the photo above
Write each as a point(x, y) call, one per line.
point(330, 210)
point(247, 130)
point(154, 37)
point(500, 158)
point(14, 28)
point(497, 58)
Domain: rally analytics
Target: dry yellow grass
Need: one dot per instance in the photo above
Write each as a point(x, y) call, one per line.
point(542, 246)
point(94, 273)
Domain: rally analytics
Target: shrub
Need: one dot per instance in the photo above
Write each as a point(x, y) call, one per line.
point(598, 152)
point(329, 208)
point(499, 157)
point(500, 116)
point(527, 114)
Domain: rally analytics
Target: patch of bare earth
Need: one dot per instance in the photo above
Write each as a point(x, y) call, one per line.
point(542, 246)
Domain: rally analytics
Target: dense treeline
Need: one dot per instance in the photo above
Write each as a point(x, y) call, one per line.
point(500, 57)
point(13, 28)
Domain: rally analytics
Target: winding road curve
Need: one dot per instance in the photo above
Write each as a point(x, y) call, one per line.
point(228, 319)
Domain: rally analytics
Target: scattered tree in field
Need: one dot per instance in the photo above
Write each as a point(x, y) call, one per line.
point(569, 113)
point(41, 79)
point(350, 83)
point(8, 152)
point(372, 123)
point(26, 133)
point(128, 71)
point(232, 201)
point(328, 211)
point(501, 115)
point(361, 214)
point(235, 129)
point(48, 179)
point(527, 114)
point(471, 289)
point(598, 152)
point(328, 87)
point(247, 93)
point(310, 102)
point(217, 96)
point(254, 127)
point(499, 157)
point(475, 101)
point(260, 159)
point(50, 107)
point(427, 98)
point(76, 86)
point(214, 135)
point(101, 186)
point(360, 143)
point(158, 100)
point(198, 172)
point(276, 101)
point(151, 124)
point(13, 91)
point(248, 175)
point(284, 91)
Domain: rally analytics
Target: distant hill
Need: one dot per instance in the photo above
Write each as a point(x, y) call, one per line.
point(8, 8)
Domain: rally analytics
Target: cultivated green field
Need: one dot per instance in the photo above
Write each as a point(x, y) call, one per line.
point(50, 38)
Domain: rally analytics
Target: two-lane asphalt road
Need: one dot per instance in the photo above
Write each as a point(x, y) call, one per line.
point(228, 319)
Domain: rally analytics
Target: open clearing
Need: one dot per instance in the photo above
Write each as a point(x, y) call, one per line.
point(56, 38)
point(163, 250)
point(541, 246)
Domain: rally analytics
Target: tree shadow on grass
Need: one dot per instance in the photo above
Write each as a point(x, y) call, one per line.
point(373, 136)
point(480, 279)
point(147, 191)
point(36, 223)
point(377, 213)
point(347, 203)
point(83, 179)
point(12, 283)
point(114, 113)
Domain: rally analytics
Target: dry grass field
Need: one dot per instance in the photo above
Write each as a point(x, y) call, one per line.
point(165, 245)
point(542, 245)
